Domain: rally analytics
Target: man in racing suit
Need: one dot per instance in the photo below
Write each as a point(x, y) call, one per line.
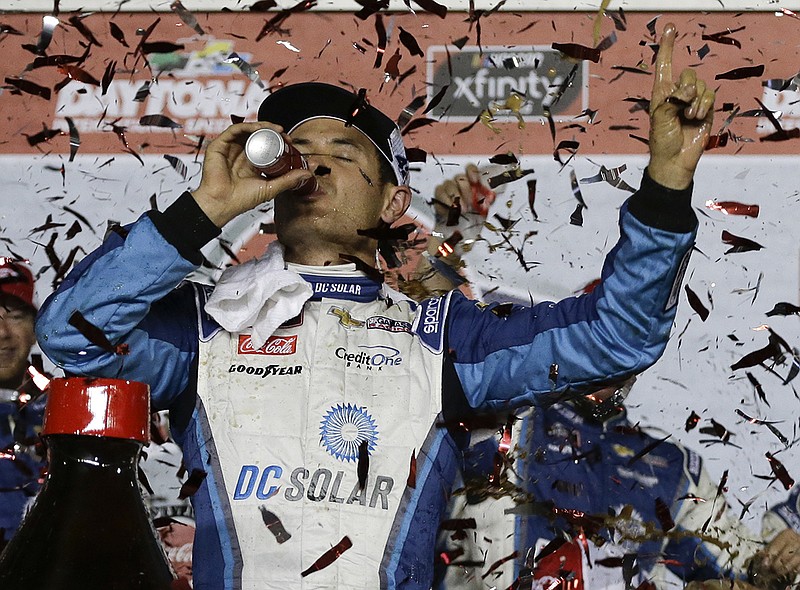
point(599, 503)
point(320, 413)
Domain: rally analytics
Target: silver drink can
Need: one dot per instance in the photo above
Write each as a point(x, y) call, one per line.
point(273, 156)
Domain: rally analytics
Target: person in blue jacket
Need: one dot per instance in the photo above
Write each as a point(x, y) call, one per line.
point(321, 415)
point(593, 501)
point(21, 401)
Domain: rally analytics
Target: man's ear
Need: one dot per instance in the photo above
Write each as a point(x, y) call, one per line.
point(398, 201)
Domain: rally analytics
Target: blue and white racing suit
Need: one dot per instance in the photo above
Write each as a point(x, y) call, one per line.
point(277, 432)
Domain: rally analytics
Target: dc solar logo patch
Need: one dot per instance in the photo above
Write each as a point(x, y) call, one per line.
point(344, 428)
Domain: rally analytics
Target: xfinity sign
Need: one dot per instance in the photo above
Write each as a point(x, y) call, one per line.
point(481, 79)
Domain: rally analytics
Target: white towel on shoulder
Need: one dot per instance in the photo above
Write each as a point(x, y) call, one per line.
point(260, 294)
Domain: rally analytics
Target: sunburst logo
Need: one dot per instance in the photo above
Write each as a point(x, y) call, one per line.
point(344, 428)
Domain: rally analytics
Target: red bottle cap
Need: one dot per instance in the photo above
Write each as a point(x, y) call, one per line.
point(98, 407)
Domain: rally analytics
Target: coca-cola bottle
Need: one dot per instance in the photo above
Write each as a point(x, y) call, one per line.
point(89, 528)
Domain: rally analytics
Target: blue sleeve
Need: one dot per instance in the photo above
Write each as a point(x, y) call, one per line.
point(506, 357)
point(126, 288)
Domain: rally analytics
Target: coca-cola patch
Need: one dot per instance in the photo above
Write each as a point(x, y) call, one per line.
point(274, 346)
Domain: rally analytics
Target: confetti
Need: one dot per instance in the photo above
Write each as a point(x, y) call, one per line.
point(412, 471)
point(49, 24)
point(158, 121)
point(757, 387)
point(160, 47)
point(664, 516)
point(780, 471)
point(577, 216)
point(274, 525)
point(718, 430)
point(95, 335)
point(692, 421)
point(771, 350)
point(44, 135)
point(177, 164)
point(410, 43)
point(500, 562)
point(436, 99)
point(432, 7)
point(784, 309)
point(363, 463)
point(723, 38)
point(739, 244)
point(117, 33)
point(409, 111)
point(696, 304)
point(29, 87)
point(245, 68)
point(76, 21)
point(647, 449)
point(741, 73)
point(733, 208)
point(612, 177)
point(576, 51)
point(532, 198)
point(74, 138)
point(143, 92)
point(329, 556)
point(187, 17)
point(108, 76)
point(769, 425)
point(192, 484)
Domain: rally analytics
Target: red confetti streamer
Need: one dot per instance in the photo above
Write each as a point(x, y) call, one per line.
point(780, 472)
point(412, 471)
point(733, 208)
point(79, 74)
point(329, 556)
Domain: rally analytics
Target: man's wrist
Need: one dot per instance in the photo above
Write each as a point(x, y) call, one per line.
point(669, 175)
point(186, 226)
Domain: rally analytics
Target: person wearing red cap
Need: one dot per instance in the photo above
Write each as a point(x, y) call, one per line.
point(21, 401)
point(321, 413)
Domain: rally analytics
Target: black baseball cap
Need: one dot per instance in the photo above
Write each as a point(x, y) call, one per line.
point(293, 105)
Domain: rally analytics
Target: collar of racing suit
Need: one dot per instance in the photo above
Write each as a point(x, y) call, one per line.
point(341, 281)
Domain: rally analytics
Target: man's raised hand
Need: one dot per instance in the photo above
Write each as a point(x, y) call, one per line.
point(681, 114)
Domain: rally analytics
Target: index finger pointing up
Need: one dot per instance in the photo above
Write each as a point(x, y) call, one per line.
point(664, 57)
